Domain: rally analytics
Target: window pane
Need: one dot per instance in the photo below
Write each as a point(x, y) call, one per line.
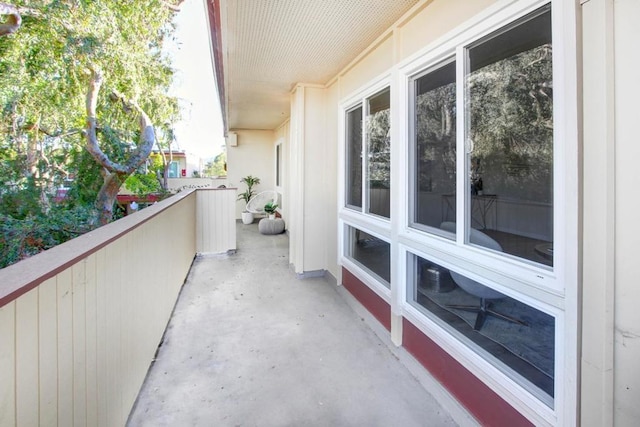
point(370, 252)
point(379, 153)
point(354, 157)
point(435, 146)
point(173, 170)
point(510, 135)
point(517, 338)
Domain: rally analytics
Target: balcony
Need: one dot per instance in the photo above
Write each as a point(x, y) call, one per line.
point(247, 342)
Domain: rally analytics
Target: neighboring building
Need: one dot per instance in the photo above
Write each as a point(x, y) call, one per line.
point(429, 153)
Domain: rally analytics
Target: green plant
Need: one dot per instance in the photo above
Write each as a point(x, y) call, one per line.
point(246, 196)
point(270, 207)
point(250, 181)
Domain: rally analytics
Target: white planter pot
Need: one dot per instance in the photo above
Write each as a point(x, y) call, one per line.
point(272, 216)
point(247, 217)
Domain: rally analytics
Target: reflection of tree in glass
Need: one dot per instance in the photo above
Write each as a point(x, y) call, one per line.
point(511, 112)
point(379, 148)
point(436, 139)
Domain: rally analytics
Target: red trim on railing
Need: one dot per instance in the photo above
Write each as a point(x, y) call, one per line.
point(21, 277)
point(368, 298)
point(125, 198)
point(215, 33)
point(488, 408)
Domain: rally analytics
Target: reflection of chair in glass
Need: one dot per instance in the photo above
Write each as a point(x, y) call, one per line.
point(476, 289)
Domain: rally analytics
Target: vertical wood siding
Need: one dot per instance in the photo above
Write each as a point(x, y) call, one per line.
point(216, 221)
point(75, 349)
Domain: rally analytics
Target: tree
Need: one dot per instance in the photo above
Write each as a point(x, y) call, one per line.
point(48, 62)
point(13, 22)
point(217, 167)
point(44, 70)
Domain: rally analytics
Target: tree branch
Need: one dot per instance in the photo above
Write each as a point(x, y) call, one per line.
point(92, 139)
point(147, 134)
point(174, 7)
point(13, 21)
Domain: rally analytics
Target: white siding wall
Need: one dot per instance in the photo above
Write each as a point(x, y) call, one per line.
point(627, 209)
point(75, 349)
point(215, 220)
point(610, 315)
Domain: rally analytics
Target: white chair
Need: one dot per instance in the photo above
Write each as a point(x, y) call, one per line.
point(477, 289)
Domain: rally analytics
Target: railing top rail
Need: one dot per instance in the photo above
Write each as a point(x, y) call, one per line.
point(19, 278)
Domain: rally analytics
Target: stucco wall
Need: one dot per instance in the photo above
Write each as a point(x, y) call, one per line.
point(254, 155)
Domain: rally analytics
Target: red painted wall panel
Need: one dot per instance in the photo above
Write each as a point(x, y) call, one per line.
point(488, 408)
point(369, 299)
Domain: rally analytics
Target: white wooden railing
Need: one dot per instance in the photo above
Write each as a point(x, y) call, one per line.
point(80, 323)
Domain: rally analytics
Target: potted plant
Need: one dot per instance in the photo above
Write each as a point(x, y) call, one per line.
point(250, 181)
point(270, 209)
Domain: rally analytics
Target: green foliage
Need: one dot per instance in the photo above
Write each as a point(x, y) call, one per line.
point(509, 108)
point(143, 184)
point(512, 124)
point(378, 126)
point(246, 195)
point(21, 238)
point(250, 181)
point(44, 74)
point(217, 166)
point(270, 207)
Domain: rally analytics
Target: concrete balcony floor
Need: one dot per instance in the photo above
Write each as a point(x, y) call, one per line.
point(249, 344)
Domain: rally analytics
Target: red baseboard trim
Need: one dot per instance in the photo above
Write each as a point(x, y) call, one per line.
point(380, 309)
point(483, 403)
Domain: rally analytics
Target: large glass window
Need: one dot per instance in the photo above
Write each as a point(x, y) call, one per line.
point(369, 151)
point(517, 338)
point(371, 253)
point(379, 153)
point(507, 146)
point(434, 146)
point(509, 137)
point(354, 158)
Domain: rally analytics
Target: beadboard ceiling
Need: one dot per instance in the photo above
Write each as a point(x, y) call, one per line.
point(270, 45)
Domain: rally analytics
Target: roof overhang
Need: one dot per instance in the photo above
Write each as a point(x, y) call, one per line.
point(262, 49)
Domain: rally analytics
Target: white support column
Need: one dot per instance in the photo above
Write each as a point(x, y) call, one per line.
point(626, 353)
point(296, 180)
point(399, 194)
point(599, 214)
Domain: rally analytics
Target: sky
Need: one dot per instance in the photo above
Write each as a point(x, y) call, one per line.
point(200, 131)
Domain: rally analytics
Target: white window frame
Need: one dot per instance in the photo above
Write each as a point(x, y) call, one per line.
point(358, 99)
point(366, 276)
point(278, 164)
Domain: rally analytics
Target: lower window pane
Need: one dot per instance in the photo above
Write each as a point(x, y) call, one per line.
point(516, 337)
point(371, 253)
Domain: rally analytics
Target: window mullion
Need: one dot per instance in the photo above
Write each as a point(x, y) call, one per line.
point(461, 155)
point(365, 162)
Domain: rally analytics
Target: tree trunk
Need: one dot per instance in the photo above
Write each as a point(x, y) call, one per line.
point(107, 196)
point(13, 20)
